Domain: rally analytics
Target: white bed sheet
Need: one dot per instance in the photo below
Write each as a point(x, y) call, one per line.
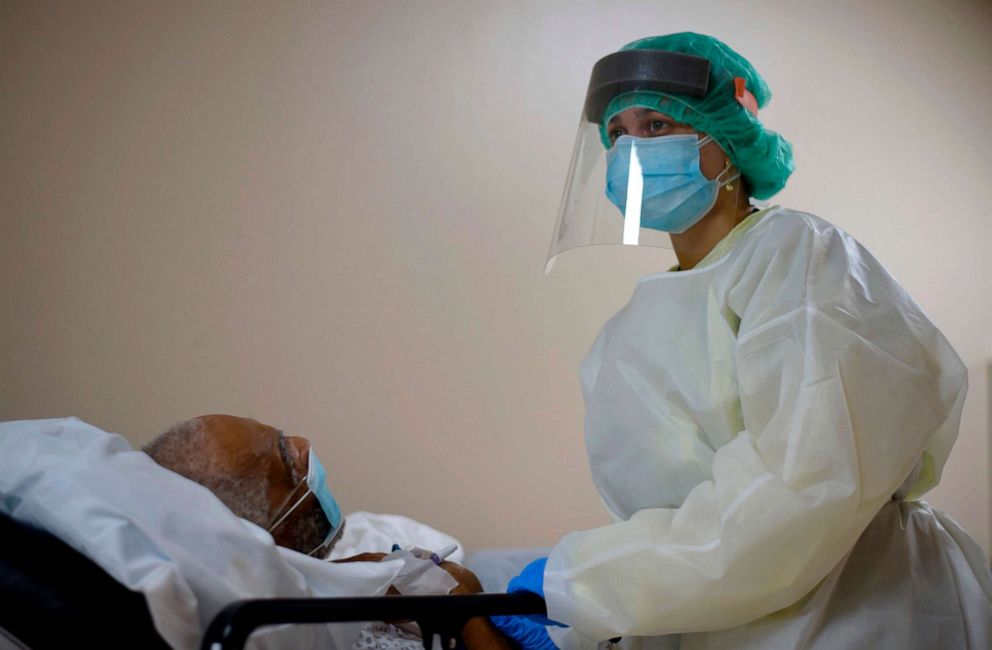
point(171, 539)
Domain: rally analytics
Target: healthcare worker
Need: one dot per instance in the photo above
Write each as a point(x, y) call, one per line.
point(762, 421)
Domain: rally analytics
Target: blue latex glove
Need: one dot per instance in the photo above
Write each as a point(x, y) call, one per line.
point(528, 631)
point(530, 579)
point(528, 634)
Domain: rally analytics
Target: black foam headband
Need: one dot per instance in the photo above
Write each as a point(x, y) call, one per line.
point(660, 70)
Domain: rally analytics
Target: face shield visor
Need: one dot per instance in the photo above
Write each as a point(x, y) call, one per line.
point(637, 191)
point(309, 512)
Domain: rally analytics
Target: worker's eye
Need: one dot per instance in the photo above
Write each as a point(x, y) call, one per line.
point(655, 127)
point(616, 133)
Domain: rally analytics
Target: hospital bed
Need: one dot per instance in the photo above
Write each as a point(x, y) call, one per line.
point(53, 596)
point(440, 618)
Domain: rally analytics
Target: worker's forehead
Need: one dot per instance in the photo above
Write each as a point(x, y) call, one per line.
point(637, 112)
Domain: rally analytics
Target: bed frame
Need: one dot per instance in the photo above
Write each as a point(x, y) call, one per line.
point(441, 618)
point(53, 596)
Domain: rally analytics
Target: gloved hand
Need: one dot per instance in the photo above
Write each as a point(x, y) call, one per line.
point(530, 579)
point(528, 631)
point(528, 634)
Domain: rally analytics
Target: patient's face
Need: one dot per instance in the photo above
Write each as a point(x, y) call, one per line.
point(245, 449)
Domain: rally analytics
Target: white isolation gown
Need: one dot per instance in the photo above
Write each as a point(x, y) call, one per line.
point(760, 426)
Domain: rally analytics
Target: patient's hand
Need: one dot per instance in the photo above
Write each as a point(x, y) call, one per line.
point(467, 582)
point(479, 633)
point(363, 557)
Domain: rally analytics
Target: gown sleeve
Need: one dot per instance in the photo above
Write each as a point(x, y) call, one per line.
point(844, 386)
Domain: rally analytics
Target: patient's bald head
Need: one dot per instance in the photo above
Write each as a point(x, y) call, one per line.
point(251, 467)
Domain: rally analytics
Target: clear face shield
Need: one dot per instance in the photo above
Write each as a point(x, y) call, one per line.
point(640, 190)
point(309, 507)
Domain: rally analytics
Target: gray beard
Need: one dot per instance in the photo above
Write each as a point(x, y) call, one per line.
point(308, 530)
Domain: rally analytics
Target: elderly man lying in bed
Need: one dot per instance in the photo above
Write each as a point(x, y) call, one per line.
point(277, 483)
point(257, 472)
point(165, 536)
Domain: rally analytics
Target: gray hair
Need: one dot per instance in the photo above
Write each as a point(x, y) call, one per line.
point(183, 449)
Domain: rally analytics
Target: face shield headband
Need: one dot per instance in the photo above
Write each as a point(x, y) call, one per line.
point(630, 70)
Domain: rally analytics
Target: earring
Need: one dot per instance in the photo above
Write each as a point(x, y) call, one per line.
point(729, 186)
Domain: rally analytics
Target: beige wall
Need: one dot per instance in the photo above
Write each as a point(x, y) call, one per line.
point(334, 217)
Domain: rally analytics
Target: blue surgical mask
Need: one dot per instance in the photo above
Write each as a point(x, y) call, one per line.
point(675, 193)
point(316, 485)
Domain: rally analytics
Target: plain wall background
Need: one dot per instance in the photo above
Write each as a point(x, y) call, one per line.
point(334, 216)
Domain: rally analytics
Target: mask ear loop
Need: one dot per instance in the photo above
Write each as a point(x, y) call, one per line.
point(727, 183)
point(281, 518)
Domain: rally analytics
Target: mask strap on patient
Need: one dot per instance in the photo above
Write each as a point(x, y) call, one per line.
point(315, 483)
point(279, 518)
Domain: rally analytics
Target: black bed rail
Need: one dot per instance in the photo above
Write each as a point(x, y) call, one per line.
point(436, 615)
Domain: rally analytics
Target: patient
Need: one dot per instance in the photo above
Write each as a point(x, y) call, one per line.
point(252, 468)
point(255, 470)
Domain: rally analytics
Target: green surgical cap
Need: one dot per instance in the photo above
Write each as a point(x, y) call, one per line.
point(763, 156)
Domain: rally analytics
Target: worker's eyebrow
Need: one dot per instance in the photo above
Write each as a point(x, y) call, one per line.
point(286, 458)
point(640, 112)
